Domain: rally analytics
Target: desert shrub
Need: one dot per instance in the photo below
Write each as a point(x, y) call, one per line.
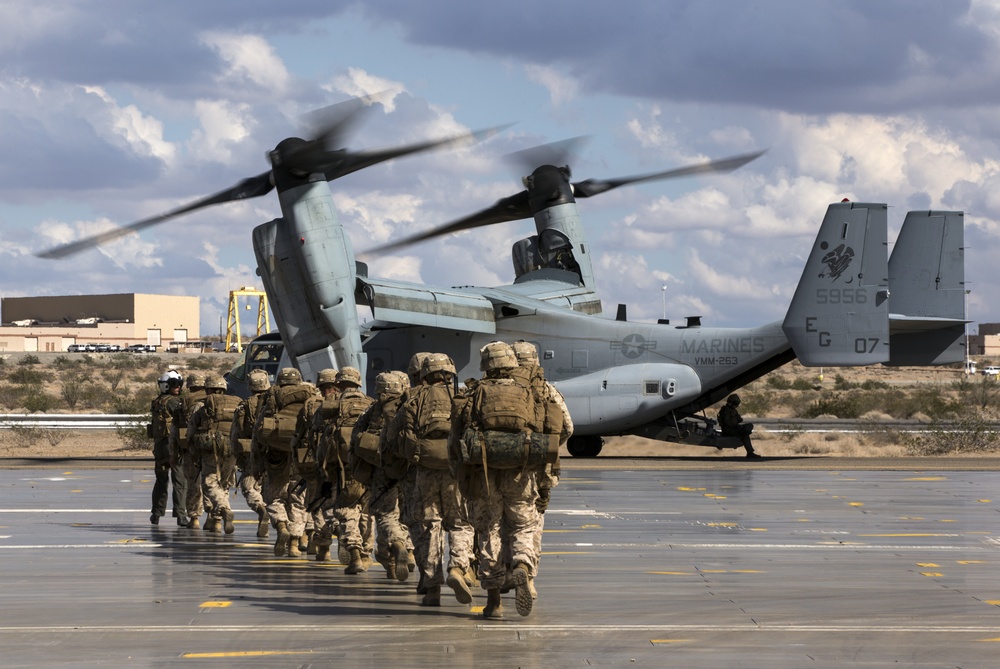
point(202, 362)
point(25, 376)
point(29, 360)
point(840, 405)
point(802, 384)
point(872, 384)
point(10, 396)
point(133, 437)
point(756, 403)
point(971, 433)
point(114, 376)
point(982, 392)
point(778, 382)
point(38, 401)
point(63, 363)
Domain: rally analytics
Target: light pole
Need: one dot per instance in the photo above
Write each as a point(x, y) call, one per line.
point(663, 290)
point(967, 331)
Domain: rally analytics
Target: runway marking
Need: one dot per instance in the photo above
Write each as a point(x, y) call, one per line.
point(512, 625)
point(984, 501)
point(927, 478)
point(993, 602)
point(656, 641)
point(927, 565)
point(932, 574)
point(214, 605)
point(244, 653)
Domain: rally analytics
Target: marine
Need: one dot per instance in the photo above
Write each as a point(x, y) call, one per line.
point(208, 439)
point(166, 464)
point(241, 437)
point(190, 461)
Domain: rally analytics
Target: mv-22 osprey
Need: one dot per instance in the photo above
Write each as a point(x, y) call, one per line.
point(854, 305)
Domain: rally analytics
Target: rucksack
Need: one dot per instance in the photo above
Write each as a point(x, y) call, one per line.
point(281, 415)
point(503, 405)
point(426, 439)
point(352, 403)
point(219, 409)
point(364, 443)
point(160, 418)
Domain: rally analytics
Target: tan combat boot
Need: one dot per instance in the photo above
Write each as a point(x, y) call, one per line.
point(194, 523)
point(281, 543)
point(355, 566)
point(401, 557)
point(263, 523)
point(433, 596)
point(522, 593)
point(295, 547)
point(211, 524)
point(227, 521)
point(304, 541)
point(322, 554)
point(456, 581)
point(493, 608)
point(311, 547)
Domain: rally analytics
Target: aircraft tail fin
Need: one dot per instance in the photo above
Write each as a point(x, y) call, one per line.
point(839, 315)
point(927, 290)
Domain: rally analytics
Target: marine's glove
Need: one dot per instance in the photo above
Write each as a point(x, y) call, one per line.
point(542, 503)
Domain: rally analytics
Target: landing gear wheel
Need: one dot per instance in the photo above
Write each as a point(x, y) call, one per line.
point(585, 447)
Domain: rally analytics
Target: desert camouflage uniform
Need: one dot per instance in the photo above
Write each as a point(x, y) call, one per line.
point(165, 463)
point(240, 438)
point(218, 466)
point(190, 461)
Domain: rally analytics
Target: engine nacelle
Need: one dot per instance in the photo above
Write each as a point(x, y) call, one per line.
point(621, 398)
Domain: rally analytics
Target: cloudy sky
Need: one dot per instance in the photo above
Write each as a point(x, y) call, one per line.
point(114, 110)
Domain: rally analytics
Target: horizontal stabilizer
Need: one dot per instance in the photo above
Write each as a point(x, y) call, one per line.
point(927, 290)
point(839, 315)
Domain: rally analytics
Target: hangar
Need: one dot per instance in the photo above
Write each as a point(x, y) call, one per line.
point(53, 323)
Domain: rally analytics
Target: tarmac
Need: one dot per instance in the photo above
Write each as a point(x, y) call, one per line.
point(646, 563)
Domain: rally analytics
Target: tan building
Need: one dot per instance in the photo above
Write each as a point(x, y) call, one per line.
point(54, 323)
point(987, 342)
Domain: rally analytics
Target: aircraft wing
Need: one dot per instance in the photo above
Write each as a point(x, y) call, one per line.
point(469, 309)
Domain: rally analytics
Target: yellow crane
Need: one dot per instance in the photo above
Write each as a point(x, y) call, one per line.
point(233, 335)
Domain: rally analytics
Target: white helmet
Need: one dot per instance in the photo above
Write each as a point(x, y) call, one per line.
point(169, 380)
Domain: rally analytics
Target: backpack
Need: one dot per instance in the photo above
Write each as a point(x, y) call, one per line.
point(281, 416)
point(503, 405)
point(364, 443)
point(160, 418)
point(219, 410)
point(426, 439)
point(352, 403)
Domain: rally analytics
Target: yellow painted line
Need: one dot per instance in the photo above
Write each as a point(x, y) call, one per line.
point(214, 605)
point(971, 561)
point(81, 524)
point(723, 524)
point(981, 640)
point(927, 564)
point(984, 501)
point(906, 535)
point(558, 531)
point(721, 497)
point(590, 527)
point(76, 491)
point(856, 503)
point(685, 489)
point(758, 529)
point(67, 473)
point(476, 609)
point(144, 480)
point(803, 520)
point(931, 573)
point(927, 478)
point(656, 641)
point(993, 602)
point(244, 653)
point(947, 521)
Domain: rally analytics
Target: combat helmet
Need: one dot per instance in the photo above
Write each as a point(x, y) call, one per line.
point(526, 352)
point(391, 383)
point(215, 382)
point(169, 379)
point(416, 362)
point(733, 399)
point(289, 376)
point(326, 377)
point(195, 380)
point(497, 355)
point(436, 362)
point(349, 375)
point(258, 381)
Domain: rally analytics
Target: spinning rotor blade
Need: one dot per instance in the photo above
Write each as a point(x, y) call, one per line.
point(510, 208)
point(252, 187)
point(592, 187)
point(519, 206)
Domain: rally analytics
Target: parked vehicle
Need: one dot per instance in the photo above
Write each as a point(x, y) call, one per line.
point(992, 370)
point(75, 348)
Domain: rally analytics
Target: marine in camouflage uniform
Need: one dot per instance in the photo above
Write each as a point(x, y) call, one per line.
point(307, 434)
point(503, 500)
point(425, 428)
point(350, 507)
point(165, 464)
point(286, 504)
point(547, 397)
point(366, 466)
point(209, 440)
point(397, 468)
point(190, 461)
point(240, 438)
